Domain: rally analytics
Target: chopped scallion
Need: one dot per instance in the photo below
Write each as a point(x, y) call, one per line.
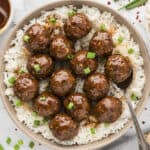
point(106, 125)
point(16, 147)
point(72, 12)
point(133, 97)
point(120, 39)
point(36, 123)
point(70, 56)
point(8, 140)
point(1, 147)
point(91, 55)
point(70, 105)
point(102, 27)
point(31, 145)
point(87, 70)
point(20, 142)
point(93, 131)
point(12, 80)
point(53, 20)
point(26, 38)
point(130, 51)
point(18, 103)
point(42, 98)
point(37, 67)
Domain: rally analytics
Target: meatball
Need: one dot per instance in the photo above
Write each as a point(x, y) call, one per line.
point(62, 82)
point(77, 106)
point(40, 65)
point(26, 87)
point(46, 104)
point(82, 61)
point(108, 109)
point(102, 44)
point(36, 39)
point(118, 68)
point(60, 47)
point(63, 127)
point(96, 86)
point(77, 26)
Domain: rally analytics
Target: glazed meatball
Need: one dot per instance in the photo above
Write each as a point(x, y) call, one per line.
point(63, 127)
point(40, 65)
point(82, 61)
point(77, 106)
point(102, 44)
point(26, 87)
point(96, 86)
point(62, 82)
point(60, 47)
point(46, 104)
point(118, 68)
point(36, 39)
point(108, 109)
point(77, 26)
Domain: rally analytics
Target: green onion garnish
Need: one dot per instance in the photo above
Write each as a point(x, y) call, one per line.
point(70, 105)
point(87, 70)
point(20, 142)
point(16, 147)
point(93, 131)
point(1, 147)
point(26, 38)
point(102, 27)
point(133, 97)
point(91, 55)
point(18, 103)
point(130, 51)
point(8, 140)
point(34, 113)
point(42, 98)
point(53, 20)
point(106, 125)
point(12, 80)
point(70, 56)
point(36, 123)
point(37, 67)
point(21, 71)
point(72, 12)
point(31, 145)
point(120, 39)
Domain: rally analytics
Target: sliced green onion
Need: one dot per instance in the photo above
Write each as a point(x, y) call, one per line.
point(70, 56)
point(45, 119)
point(37, 67)
point(31, 145)
point(106, 125)
point(53, 20)
point(26, 38)
point(93, 131)
point(16, 147)
point(87, 70)
point(120, 39)
point(18, 103)
point(72, 13)
point(130, 51)
point(20, 142)
point(70, 105)
point(91, 55)
point(36, 123)
point(21, 71)
point(34, 113)
point(12, 80)
point(1, 147)
point(42, 98)
point(8, 140)
point(134, 97)
point(103, 27)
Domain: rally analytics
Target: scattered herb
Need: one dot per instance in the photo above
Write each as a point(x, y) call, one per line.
point(16, 147)
point(1, 147)
point(42, 98)
point(70, 105)
point(87, 70)
point(8, 140)
point(70, 56)
point(12, 80)
point(53, 20)
point(91, 55)
point(31, 145)
point(26, 38)
point(21, 71)
point(20, 142)
point(120, 39)
point(72, 12)
point(37, 67)
point(130, 51)
point(103, 27)
point(18, 103)
point(93, 131)
point(34, 113)
point(36, 123)
point(106, 125)
point(133, 97)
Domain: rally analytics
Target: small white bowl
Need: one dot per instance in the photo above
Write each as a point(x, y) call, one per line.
point(9, 19)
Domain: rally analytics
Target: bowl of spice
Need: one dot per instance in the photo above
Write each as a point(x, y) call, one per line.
point(5, 14)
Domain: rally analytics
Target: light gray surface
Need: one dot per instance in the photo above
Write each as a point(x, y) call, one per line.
point(8, 128)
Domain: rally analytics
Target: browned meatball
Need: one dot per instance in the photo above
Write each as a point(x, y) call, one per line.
point(40, 65)
point(63, 127)
point(102, 44)
point(62, 82)
point(118, 68)
point(36, 39)
point(46, 104)
point(108, 109)
point(77, 106)
point(26, 87)
point(77, 26)
point(83, 61)
point(60, 47)
point(96, 86)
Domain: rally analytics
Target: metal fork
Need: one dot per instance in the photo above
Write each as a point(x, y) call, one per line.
point(143, 145)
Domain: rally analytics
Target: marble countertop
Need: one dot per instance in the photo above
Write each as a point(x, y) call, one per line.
point(9, 129)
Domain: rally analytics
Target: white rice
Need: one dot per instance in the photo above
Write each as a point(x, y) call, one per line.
point(15, 58)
